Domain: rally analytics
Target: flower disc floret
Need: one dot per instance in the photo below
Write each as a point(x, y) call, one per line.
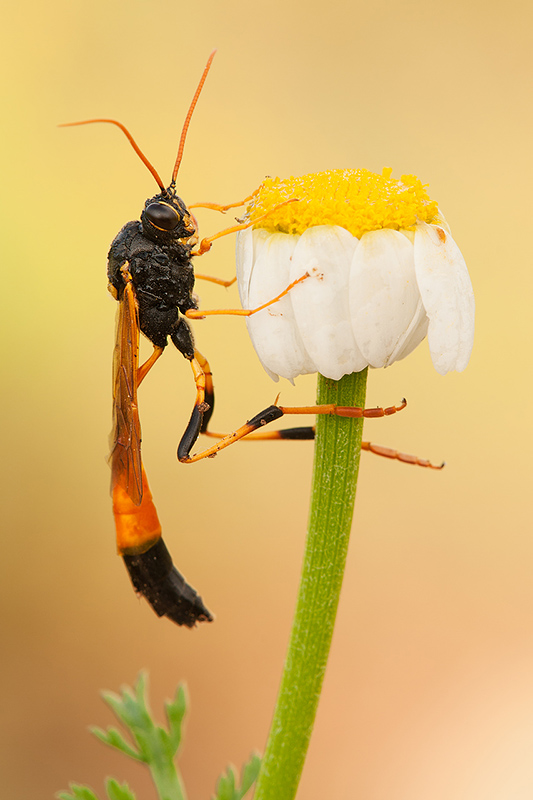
point(383, 271)
point(354, 199)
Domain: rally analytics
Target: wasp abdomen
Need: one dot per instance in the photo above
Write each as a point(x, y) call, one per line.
point(155, 577)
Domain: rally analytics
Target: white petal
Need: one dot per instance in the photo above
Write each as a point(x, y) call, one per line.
point(386, 311)
point(244, 256)
point(273, 331)
point(248, 242)
point(447, 295)
point(442, 222)
point(320, 303)
point(416, 333)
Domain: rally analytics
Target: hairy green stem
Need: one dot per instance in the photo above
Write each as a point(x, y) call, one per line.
point(336, 465)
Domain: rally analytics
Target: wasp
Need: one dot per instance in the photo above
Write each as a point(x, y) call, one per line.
point(151, 275)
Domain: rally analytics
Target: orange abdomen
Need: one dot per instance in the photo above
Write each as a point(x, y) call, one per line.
point(138, 527)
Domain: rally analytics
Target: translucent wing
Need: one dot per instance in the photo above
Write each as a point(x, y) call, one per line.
point(139, 539)
point(125, 439)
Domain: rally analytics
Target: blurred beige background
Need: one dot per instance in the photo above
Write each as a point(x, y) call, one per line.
point(429, 692)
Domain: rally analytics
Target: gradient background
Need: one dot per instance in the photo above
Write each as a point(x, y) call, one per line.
point(429, 691)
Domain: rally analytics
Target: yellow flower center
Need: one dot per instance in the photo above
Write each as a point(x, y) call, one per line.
point(355, 199)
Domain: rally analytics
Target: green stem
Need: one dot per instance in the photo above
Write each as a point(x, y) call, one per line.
point(167, 780)
point(336, 465)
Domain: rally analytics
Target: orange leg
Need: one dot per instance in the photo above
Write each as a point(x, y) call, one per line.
point(145, 368)
point(223, 209)
point(205, 244)
point(249, 432)
point(203, 378)
point(308, 433)
point(244, 312)
point(345, 411)
point(269, 415)
point(220, 281)
point(405, 458)
point(203, 405)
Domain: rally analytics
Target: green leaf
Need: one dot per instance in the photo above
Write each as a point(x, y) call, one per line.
point(78, 793)
point(114, 738)
point(131, 709)
point(155, 746)
point(175, 711)
point(117, 791)
point(228, 787)
point(250, 771)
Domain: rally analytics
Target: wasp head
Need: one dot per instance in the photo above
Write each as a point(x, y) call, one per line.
point(166, 219)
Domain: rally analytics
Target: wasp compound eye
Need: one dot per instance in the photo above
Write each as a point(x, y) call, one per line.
point(162, 216)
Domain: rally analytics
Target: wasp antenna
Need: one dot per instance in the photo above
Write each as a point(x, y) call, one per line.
point(188, 119)
point(131, 140)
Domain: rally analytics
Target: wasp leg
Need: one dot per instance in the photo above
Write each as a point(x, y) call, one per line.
point(307, 433)
point(149, 563)
point(244, 312)
point(145, 368)
point(223, 209)
point(345, 411)
point(205, 244)
point(300, 433)
point(203, 405)
point(269, 415)
point(264, 418)
point(203, 410)
point(220, 281)
point(405, 458)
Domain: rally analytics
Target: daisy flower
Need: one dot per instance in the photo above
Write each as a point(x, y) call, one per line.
point(384, 273)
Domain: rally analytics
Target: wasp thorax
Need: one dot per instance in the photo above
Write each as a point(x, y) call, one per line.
point(162, 216)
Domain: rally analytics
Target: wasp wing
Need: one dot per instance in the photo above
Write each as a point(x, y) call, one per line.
point(139, 541)
point(125, 439)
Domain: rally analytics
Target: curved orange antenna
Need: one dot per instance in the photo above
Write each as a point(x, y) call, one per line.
point(131, 140)
point(188, 119)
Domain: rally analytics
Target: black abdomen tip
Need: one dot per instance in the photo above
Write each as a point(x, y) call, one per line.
point(155, 577)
